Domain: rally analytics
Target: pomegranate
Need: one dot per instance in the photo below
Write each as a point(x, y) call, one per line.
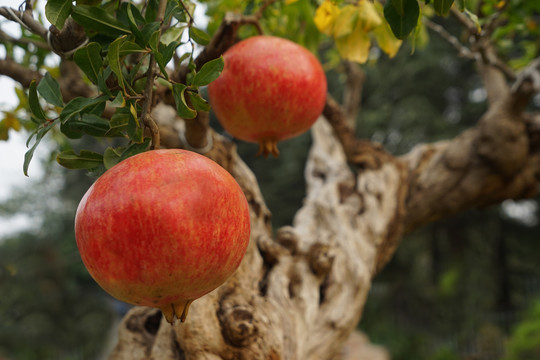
point(163, 228)
point(270, 89)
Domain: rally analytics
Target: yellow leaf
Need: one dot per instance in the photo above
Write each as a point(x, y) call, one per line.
point(368, 16)
point(11, 121)
point(384, 36)
point(346, 21)
point(325, 17)
point(386, 40)
point(133, 112)
point(287, 2)
point(355, 46)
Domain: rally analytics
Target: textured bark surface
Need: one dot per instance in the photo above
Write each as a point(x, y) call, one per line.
point(299, 294)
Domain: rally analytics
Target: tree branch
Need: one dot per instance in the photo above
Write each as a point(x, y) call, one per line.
point(17, 72)
point(362, 153)
point(23, 41)
point(496, 160)
point(25, 19)
point(352, 96)
point(451, 39)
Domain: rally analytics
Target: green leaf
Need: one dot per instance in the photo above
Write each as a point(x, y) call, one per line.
point(209, 72)
point(114, 60)
point(182, 109)
point(154, 45)
point(135, 149)
point(57, 11)
point(168, 51)
point(49, 89)
point(85, 160)
point(147, 31)
point(119, 121)
point(89, 59)
point(198, 102)
point(199, 36)
point(398, 5)
point(173, 8)
point(81, 105)
point(134, 129)
point(97, 19)
point(460, 5)
point(130, 47)
point(151, 10)
point(154, 40)
point(90, 124)
point(118, 101)
point(33, 101)
point(111, 156)
point(442, 7)
point(133, 24)
point(102, 81)
point(172, 34)
point(39, 133)
point(402, 25)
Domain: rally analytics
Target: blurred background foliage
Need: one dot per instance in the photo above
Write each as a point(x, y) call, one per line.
point(466, 287)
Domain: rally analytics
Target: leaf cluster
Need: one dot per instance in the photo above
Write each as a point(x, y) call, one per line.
point(124, 40)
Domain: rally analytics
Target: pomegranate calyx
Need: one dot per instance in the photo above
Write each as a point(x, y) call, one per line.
point(176, 311)
point(268, 147)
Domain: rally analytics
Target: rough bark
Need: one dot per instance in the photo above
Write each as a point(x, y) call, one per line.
point(300, 294)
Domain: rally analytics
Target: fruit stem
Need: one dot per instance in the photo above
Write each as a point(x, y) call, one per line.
point(175, 311)
point(268, 147)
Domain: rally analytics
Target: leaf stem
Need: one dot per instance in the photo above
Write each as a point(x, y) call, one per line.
point(148, 121)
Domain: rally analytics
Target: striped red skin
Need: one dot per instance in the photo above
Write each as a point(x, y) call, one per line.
point(270, 89)
point(163, 228)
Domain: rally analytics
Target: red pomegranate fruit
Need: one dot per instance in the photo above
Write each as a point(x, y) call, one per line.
point(270, 89)
point(163, 228)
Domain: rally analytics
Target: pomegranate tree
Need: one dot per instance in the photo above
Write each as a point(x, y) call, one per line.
point(162, 229)
point(270, 89)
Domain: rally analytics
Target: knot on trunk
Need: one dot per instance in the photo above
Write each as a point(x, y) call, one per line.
point(238, 325)
point(321, 258)
point(288, 238)
point(502, 141)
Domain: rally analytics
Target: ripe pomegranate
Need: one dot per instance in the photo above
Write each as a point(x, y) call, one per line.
point(270, 89)
point(163, 228)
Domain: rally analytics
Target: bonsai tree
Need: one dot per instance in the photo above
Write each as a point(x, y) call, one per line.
point(137, 73)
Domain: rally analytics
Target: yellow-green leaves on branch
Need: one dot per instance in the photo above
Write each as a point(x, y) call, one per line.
point(384, 35)
point(354, 26)
point(325, 17)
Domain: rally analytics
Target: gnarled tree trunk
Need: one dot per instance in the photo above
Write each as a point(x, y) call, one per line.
point(300, 294)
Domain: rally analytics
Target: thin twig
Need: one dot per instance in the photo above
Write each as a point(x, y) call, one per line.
point(462, 49)
point(148, 121)
point(263, 7)
point(191, 20)
point(28, 6)
point(154, 131)
point(464, 20)
point(23, 41)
